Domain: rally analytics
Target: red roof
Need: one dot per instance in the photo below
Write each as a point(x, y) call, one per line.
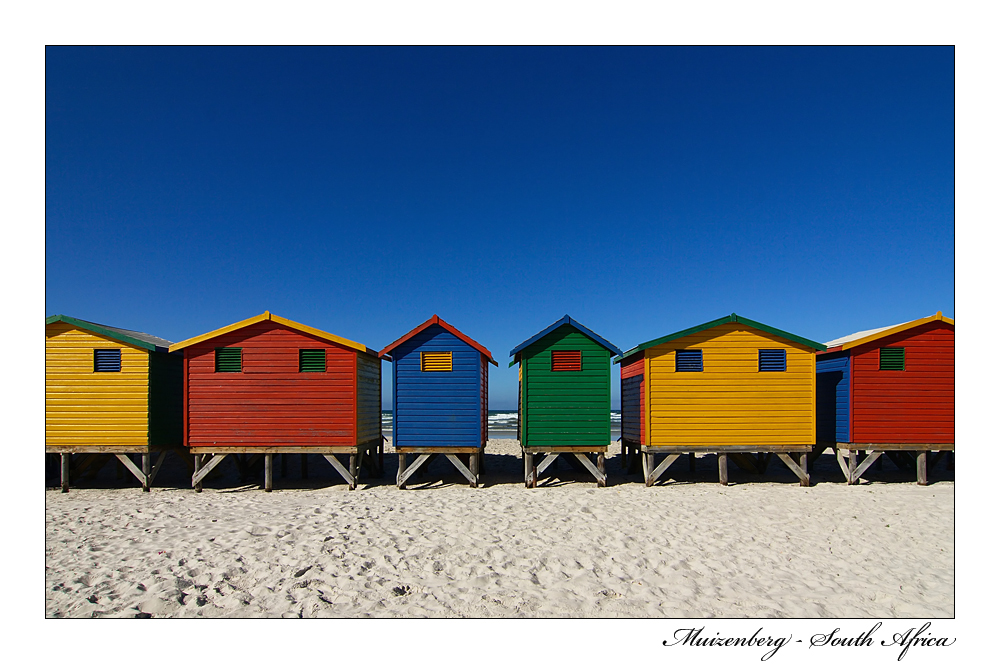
point(436, 320)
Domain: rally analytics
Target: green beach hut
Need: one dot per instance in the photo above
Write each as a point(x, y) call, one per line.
point(564, 398)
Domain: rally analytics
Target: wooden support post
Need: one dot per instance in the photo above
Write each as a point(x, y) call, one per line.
point(146, 470)
point(64, 472)
point(197, 468)
point(603, 479)
point(339, 467)
point(268, 470)
point(852, 466)
point(304, 462)
point(803, 464)
point(399, 472)
point(474, 467)
point(353, 484)
point(922, 468)
point(843, 465)
point(723, 469)
point(860, 470)
point(648, 459)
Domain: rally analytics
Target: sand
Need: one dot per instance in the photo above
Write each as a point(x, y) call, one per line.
point(762, 547)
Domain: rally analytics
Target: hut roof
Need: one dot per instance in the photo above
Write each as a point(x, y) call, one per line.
point(267, 315)
point(866, 336)
point(140, 339)
point(386, 353)
point(731, 318)
point(565, 320)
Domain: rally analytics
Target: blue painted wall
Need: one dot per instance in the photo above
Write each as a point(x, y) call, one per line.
point(833, 397)
point(437, 408)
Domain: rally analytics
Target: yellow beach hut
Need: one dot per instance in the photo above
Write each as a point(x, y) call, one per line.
point(110, 391)
point(732, 386)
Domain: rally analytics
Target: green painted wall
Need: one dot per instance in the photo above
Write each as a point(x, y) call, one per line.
point(565, 408)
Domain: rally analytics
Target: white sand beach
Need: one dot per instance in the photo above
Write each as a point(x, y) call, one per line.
point(762, 547)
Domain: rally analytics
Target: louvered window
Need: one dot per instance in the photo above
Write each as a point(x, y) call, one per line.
point(229, 360)
point(771, 359)
point(107, 359)
point(567, 360)
point(689, 360)
point(435, 361)
point(312, 360)
point(891, 359)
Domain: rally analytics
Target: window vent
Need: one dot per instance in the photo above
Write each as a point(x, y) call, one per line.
point(567, 360)
point(312, 360)
point(229, 360)
point(435, 361)
point(891, 359)
point(107, 359)
point(771, 359)
point(689, 360)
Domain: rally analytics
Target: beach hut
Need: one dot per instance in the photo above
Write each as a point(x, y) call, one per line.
point(440, 398)
point(109, 391)
point(889, 391)
point(732, 387)
point(564, 398)
point(268, 385)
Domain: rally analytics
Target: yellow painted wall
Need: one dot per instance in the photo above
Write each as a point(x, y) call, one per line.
point(731, 402)
point(83, 407)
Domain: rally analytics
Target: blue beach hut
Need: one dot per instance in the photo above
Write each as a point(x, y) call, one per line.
point(440, 397)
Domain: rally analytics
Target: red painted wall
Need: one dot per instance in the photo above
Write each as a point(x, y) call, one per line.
point(270, 402)
point(634, 366)
point(912, 406)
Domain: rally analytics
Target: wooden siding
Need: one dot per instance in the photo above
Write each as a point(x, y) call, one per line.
point(84, 407)
point(369, 398)
point(269, 403)
point(731, 402)
point(833, 397)
point(485, 391)
point(436, 408)
point(633, 400)
point(916, 405)
point(566, 407)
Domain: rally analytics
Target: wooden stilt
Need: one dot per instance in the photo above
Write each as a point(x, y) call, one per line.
point(268, 470)
point(603, 479)
point(399, 472)
point(648, 459)
point(64, 472)
point(353, 484)
point(474, 467)
point(852, 467)
point(803, 464)
point(197, 468)
point(922, 468)
point(146, 471)
point(723, 469)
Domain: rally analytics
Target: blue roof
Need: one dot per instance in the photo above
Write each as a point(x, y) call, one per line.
point(566, 320)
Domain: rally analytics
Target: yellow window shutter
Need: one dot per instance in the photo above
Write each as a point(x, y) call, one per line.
point(435, 361)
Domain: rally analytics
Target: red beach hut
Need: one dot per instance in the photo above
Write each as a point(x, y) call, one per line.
point(268, 385)
point(889, 391)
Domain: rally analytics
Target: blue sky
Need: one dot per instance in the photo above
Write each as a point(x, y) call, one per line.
point(362, 190)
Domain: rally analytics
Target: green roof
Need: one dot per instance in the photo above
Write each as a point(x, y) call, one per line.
point(731, 318)
point(140, 339)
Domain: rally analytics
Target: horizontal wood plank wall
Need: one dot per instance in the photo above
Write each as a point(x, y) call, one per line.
point(833, 397)
point(566, 408)
point(437, 408)
point(369, 398)
point(485, 391)
point(84, 407)
point(633, 400)
point(731, 402)
point(911, 406)
point(269, 403)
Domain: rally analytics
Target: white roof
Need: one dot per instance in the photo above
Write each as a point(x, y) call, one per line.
point(861, 335)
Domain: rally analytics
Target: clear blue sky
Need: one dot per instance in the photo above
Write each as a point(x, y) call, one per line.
point(362, 190)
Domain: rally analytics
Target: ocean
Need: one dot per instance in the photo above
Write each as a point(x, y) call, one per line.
point(503, 424)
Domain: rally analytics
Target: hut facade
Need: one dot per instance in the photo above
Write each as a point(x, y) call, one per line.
point(564, 398)
point(268, 385)
point(110, 391)
point(440, 398)
point(889, 391)
point(732, 386)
